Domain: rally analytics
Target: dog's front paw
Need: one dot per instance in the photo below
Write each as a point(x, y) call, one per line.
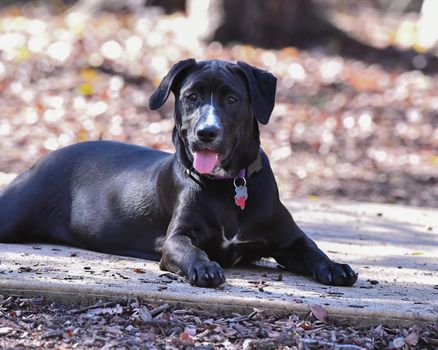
point(206, 274)
point(335, 274)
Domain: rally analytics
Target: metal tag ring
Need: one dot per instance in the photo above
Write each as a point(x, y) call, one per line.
point(238, 177)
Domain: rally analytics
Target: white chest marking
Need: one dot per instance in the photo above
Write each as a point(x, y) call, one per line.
point(226, 242)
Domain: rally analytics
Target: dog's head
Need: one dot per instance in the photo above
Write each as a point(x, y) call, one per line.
point(218, 106)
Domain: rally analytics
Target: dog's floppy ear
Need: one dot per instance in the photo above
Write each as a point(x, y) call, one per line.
point(162, 92)
point(262, 86)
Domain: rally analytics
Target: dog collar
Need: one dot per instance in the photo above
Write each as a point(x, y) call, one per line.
point(239, 181)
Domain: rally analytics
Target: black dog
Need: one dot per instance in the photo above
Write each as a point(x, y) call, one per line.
point(213, 203)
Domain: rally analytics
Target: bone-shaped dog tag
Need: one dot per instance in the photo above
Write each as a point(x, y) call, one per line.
point(241, 196)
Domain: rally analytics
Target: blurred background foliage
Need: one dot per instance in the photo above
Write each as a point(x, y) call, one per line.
point(356, 115)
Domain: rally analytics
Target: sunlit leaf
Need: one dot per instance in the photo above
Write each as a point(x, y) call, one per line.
point(86, 89)
point(82, 136)
point(417, 253)
point(23, 53)
point(88, 74)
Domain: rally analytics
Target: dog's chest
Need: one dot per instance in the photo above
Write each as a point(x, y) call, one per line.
point(237, 245)
point(230, 239)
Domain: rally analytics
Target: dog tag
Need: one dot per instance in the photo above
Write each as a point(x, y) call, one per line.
point(241, 194)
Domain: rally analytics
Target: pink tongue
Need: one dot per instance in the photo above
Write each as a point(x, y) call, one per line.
point(205, 161)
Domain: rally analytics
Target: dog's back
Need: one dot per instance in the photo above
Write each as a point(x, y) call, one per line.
point(68, 192)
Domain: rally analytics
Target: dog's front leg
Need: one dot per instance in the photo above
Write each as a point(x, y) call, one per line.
point(179, 255)
point(304, 257)
point(298, 253)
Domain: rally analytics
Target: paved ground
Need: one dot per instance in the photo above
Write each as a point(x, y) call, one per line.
point(394, 249)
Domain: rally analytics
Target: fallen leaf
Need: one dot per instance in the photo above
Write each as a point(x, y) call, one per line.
point(412, 339)
point(5, 330)
point(398, 343)
point(319, 312)
point(191, 331)
point(144, 314)
point(184, 336)
point(307, 326)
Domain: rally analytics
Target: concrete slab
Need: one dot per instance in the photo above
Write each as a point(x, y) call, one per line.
point(394, 249)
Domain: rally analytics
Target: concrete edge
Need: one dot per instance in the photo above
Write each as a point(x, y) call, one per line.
point(87, 295)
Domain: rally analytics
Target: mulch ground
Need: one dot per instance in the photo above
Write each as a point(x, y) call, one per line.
point(135, 324)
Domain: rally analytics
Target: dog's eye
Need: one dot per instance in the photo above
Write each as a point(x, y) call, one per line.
point(231, 99)
point(192, 97)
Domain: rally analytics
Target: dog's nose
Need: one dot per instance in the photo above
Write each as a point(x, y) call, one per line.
point(207, 133)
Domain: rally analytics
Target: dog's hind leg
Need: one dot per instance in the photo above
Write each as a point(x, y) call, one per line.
point(10, 223)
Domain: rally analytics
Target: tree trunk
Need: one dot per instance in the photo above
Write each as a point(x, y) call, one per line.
point(264, 23)
point(281, 23)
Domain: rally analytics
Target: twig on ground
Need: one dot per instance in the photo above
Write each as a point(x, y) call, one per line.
point(158, 310)
point(95, 306)
point(333, 345)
